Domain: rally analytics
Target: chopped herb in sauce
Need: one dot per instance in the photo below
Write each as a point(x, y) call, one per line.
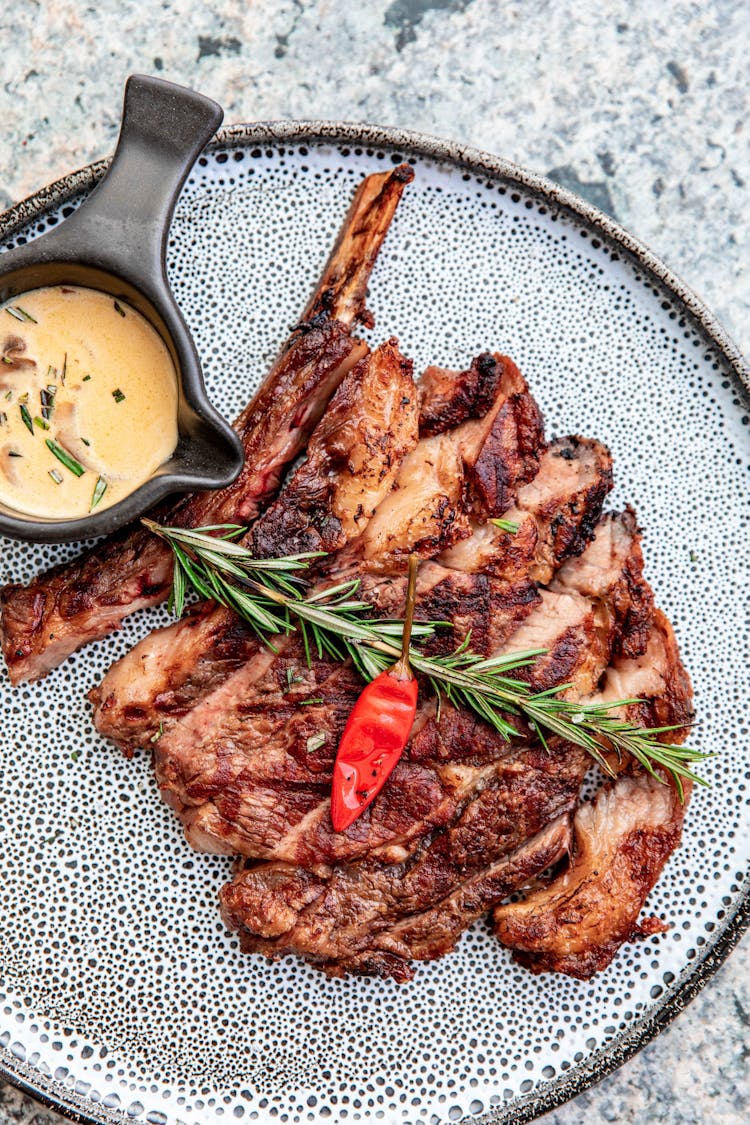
point(20, 314)
point(65, 458)
point(47, 399)
point(99, 489)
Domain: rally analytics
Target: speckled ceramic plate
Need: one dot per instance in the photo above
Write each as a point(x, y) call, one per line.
point(122, 995)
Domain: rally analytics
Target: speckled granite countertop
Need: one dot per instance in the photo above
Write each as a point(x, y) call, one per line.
point(640, 107)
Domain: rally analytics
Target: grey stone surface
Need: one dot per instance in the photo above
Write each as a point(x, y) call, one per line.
point(640, 107)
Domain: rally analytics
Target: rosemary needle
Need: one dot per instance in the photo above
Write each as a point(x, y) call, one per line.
point(270, 595)
point(506, 525)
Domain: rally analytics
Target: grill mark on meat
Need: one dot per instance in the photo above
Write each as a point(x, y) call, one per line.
point(424, 511)
point(352, 460)
point(84, 600)
point(452, 397)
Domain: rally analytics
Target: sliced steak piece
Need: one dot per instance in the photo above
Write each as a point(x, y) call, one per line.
point(622, 839)
point(248, 770)
point(596, 603)
point(352, 460)
point(84, 600)
point(576, 924)
point(479, 464)
point(486, 582)
point(656, 677)
point(344, 919)
point(424, 511)
point(497, 424)
point(555, 514)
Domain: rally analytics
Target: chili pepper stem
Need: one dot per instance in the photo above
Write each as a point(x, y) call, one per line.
point(402, 669)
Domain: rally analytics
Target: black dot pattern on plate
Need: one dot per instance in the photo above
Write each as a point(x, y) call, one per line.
point(119, 981)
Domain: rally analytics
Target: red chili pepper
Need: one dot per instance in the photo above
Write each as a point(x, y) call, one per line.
point(377, 730)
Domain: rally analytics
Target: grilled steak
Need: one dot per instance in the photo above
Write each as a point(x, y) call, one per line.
point(84, 600)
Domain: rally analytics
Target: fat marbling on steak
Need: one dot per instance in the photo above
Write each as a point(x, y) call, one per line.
point(89, 597)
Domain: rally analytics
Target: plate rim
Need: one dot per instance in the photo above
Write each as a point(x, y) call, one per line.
point(624, 1046)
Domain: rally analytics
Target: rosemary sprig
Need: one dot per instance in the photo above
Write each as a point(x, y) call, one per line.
point(270, 594)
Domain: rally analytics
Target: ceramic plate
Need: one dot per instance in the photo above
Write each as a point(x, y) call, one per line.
point(123, 998)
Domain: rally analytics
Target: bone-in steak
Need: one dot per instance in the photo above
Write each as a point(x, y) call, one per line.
point(84, 600)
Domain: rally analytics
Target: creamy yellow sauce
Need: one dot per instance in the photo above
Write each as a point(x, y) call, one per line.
point(88, 401)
